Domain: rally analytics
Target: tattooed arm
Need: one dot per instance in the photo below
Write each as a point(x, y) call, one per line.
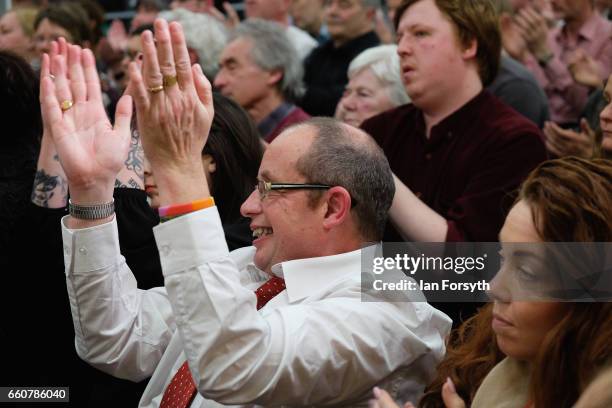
point(132, 173)
point(50, 188)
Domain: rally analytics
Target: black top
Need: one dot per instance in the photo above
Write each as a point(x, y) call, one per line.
point(37, 334)
point(325, 73)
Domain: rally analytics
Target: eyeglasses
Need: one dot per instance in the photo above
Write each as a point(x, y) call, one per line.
point(264, 187)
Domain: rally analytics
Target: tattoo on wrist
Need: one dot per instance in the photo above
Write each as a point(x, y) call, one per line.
point(46, 187)
point(119, 184)
point(135, 159)
point(131, 183)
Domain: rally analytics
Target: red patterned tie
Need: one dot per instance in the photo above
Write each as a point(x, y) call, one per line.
point(182, 390)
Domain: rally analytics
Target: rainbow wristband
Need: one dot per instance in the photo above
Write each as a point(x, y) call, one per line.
point(169, 212)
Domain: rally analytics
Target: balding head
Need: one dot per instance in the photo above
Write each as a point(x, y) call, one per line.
point(341, 155)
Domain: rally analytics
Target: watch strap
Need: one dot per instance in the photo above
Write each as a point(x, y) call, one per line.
point(91, 212)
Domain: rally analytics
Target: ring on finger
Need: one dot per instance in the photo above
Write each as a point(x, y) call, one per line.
point(169, 80)
point(66, 104)
point(156, 89)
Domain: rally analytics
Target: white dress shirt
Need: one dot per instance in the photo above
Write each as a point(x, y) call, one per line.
point(314, 343)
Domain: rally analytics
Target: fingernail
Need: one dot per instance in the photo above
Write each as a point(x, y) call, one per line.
point(376, 392)
point(451, 384)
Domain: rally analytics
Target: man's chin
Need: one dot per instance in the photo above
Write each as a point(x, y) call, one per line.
point(261, 261)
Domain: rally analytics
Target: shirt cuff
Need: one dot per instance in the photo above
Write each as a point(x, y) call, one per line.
point(90, 249)
point(190, 240)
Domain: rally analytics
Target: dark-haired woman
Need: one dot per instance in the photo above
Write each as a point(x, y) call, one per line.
point(516, 352)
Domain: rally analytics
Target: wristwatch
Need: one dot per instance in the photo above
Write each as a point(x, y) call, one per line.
point(91, 212)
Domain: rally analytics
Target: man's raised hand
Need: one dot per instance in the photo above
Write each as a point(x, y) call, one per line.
point(174, 111)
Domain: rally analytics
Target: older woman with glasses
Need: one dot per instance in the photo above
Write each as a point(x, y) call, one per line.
point(374, 85)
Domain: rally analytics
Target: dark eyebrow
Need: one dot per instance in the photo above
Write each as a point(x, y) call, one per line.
point(230, 60)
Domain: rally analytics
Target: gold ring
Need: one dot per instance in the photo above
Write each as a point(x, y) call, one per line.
point(169, 80)
point(65, 105)
point(156, 89)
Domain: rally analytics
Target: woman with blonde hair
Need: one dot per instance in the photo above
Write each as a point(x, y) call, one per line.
point(17, 32)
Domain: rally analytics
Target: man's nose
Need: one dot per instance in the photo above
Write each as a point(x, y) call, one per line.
point(220, 80)
point(252, 205)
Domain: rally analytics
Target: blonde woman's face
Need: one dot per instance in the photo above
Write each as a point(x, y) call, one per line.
point(13, 38)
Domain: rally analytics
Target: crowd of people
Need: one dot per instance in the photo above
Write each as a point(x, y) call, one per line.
point(185, 196)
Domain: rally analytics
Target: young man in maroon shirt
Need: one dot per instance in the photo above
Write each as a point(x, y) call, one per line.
point(457, 151)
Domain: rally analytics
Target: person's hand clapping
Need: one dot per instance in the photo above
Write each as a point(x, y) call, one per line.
point(585, 69)
point(382, 399)
point(230, 19)
point(90, 149)
point(567, 142)
point(534, 29)
point(174, 111)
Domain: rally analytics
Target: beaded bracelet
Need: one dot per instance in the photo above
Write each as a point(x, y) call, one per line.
point(169, 212)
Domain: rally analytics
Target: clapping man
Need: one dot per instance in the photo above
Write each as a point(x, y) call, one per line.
point(203, 340)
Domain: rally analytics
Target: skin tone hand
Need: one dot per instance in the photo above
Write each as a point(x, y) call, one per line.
point(566, 142)
point(90, 149)
point(230, 19)
point(512, 40)
point(382, 399)
point(534, 29)
point(117, 36)
point(175, 122)
point(451, 399)
point(585, 70)
point(50, 188)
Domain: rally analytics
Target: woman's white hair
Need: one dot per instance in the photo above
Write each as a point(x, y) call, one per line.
point(204, 34)
point(384, 63)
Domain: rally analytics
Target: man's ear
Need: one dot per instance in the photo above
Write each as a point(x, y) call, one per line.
point(338, 207)
point(274, 77)
point(471, 50)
